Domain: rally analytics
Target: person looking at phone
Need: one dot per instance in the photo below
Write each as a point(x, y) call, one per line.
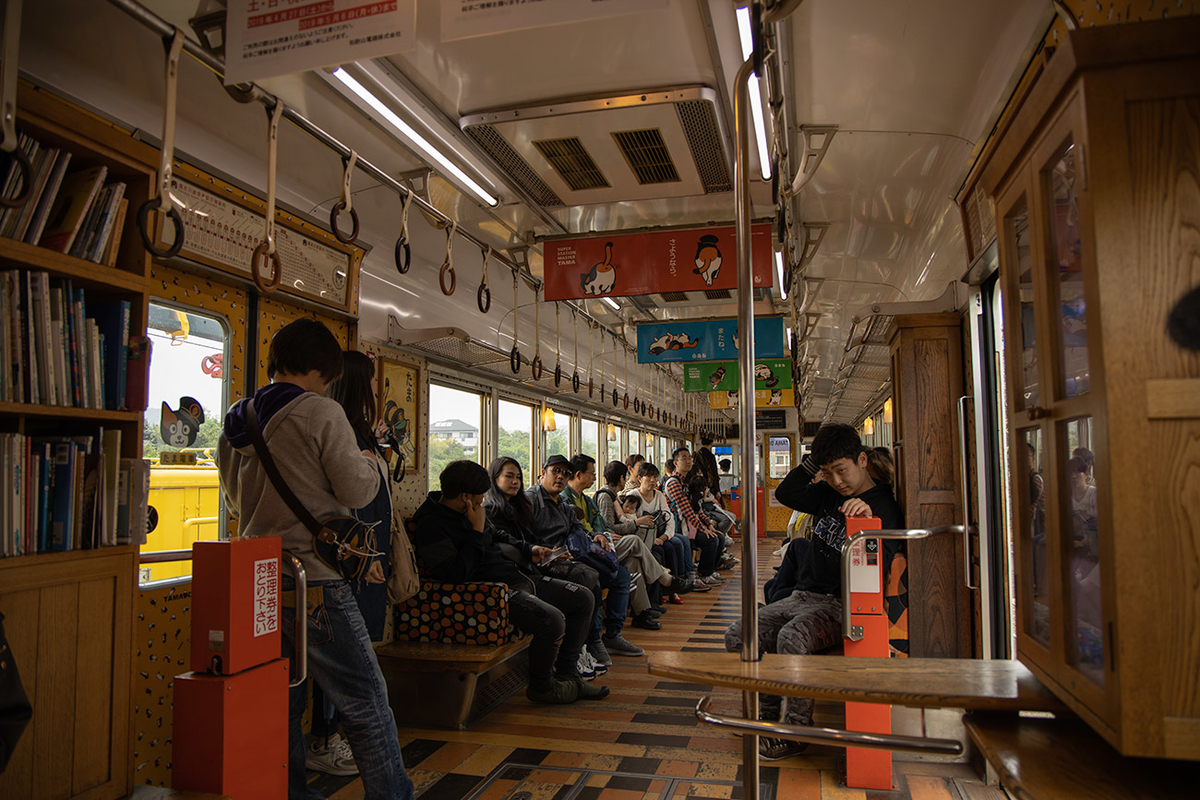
point(458, 545)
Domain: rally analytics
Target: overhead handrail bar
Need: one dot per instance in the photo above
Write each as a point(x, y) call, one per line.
point(849, 630)
point(255, 92)
point(830, 736)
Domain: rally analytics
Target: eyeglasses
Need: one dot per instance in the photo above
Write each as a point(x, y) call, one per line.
point(558, 471)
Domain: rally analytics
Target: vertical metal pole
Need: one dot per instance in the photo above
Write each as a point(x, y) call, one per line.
point(745, 304)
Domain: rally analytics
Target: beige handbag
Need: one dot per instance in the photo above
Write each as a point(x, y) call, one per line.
point(404, 582)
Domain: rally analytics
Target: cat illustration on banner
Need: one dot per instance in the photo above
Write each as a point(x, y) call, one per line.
point(672, 341)
point(763, 373)
point(776, 397)
point(180, 427)
point(602, 277)
point(717, 376)
point(708, 259)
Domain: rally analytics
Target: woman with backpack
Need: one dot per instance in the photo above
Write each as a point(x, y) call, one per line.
point(676, 548)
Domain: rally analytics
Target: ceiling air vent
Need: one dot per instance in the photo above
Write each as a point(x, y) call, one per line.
point(717, 294)
point(511, 162)
point(674, 297)
point(647, 155)
point(704, 137)
point(571, 161)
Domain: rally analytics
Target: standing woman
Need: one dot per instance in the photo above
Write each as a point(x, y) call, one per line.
point(700, 529)
point(355, 392)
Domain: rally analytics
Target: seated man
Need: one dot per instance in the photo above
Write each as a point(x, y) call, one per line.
point(552, 521)
point(831, 483)
point(631, 550)
point(456, 543)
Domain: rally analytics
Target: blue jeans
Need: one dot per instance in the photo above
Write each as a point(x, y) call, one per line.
point(341, 659)
point(683, 551)
point(616, 605)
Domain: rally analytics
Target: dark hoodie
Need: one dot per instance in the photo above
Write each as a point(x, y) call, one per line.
point(268, 401)
point(455, 552)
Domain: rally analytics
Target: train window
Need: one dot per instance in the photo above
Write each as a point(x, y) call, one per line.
point(664, 448)
point(1086, 643)
point(455, 422)
point(558, 440)
point(516, 435)
point(589, 441)
point(1017, 229)
point(632, 439)
point(1071, 309)
point(616, 437)
point(187, 401)
point(1032, 531)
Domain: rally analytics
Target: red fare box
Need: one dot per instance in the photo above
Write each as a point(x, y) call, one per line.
point(235, 604)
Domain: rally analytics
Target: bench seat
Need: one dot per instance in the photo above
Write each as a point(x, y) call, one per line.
point(1050, 758)
point(436, 685)
point(912, 682)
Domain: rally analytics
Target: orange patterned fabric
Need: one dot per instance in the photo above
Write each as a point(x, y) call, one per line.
point(453, 613)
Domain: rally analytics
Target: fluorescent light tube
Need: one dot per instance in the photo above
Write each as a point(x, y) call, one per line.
point(616, 306)
point(779, 272)
point(756, 110)
point(408, 133)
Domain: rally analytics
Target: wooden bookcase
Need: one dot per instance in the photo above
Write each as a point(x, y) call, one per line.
point(1096, 193)
point(69, 615)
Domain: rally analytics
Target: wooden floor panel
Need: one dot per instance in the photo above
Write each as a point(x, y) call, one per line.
point(647, 730)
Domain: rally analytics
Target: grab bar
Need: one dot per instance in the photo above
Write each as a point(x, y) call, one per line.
point(966, 474)
point(854, 632)
point(830, 736)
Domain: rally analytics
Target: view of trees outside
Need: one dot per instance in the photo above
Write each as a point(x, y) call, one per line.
point(614, 445)
point(516, 436)
point(446, 403)
point(559, 439)
point(589, 439)
point(634, 445)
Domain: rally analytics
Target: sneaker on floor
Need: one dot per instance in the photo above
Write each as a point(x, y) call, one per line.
point(678, 585)
point(618, 645)
point(712, 580)
point(561, 691)
point(335, 758)
point(586, 666)
point(590, 691)
point(698, 584)
point(771, 749)
point(646, 621)
point(599, 652)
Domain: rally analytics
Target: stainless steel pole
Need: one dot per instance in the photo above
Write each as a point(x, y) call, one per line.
point(745, 304)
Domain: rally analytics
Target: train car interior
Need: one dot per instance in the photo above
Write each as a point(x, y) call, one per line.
point(967, 231)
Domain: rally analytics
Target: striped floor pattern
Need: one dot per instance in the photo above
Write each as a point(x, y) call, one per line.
point(642, 742)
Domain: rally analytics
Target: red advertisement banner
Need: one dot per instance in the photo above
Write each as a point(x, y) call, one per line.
point(620, 265)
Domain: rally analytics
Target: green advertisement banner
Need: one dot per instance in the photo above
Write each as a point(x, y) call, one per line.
point(722, 376)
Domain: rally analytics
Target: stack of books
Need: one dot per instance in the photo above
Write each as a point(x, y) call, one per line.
point(63, 493)
point(58, 348)
point(71, 208)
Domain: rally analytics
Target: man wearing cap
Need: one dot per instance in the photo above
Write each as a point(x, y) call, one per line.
point(552, 521)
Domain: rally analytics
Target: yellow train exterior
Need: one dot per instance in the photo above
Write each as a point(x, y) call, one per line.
point(187, 501)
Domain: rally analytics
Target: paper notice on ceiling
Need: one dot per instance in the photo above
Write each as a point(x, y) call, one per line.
point(265, 38)
point(464, 18)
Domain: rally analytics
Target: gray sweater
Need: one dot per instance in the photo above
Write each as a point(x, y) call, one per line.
point(314, 447)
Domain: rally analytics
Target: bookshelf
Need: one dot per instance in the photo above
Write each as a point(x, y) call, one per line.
point(69, 614)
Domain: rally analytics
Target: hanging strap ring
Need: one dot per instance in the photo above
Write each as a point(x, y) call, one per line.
point(575, 382)
point(266, 248)
point(514, 360)
point(402, 245)
point(558, 374)
point(448, 265)
point(346, 203)
point(537, 368)
point(166, 161)
point(264, 251)
point(483, 297)
point(615, 397)
point(626, 406)
point(591, 385)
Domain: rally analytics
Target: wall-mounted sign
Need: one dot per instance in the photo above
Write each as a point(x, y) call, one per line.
point(763, 398)
point(223, 224)
point(706, 340)
point(619, 265)
point(770, 420)
point(265, 38)
point(724, 376)
point(463, 18)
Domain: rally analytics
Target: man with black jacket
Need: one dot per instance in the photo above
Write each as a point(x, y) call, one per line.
point(456, 542)
point(831, 483)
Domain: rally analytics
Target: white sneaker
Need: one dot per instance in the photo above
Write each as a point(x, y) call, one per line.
point(335, 758)
point(586, 666)
point(712, 580)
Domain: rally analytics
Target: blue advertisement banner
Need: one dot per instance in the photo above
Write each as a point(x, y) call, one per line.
point(706, 340)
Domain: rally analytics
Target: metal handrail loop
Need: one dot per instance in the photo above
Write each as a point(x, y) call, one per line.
point(300, 641)
point(266, 248)
point(164, 202)
point(903, 534)
point(830, 736)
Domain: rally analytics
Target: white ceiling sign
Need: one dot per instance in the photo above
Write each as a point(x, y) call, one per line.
point(464, 18)
point(265, 38)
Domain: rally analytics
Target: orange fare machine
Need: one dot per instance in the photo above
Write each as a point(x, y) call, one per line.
point(863, 588)
point(231, 710)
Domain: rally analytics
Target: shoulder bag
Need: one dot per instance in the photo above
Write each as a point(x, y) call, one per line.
point(343, 543)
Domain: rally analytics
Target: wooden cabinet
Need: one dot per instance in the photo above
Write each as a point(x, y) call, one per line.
point(1096, 183)
point(69, 615)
